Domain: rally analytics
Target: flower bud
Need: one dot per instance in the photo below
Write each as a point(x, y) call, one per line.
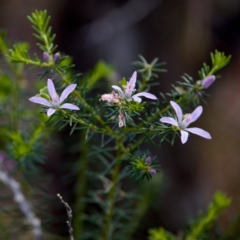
point(45, 56)
point(208, 81)
point(121, 120)
point(152, 171)
point(56, 57)
point(148, 160)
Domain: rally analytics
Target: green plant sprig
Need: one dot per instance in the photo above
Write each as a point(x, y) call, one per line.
point(149, 70)
point(40, 21)
point(219, 203)
point(20, 55)
point(63, 74)
point(80, 121)
point(219, 60)
point(21, 147)
point(199, 227)
point(161, 234)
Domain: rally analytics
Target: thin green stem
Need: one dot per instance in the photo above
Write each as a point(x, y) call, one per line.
point(86, 105)
point(164, 110)
point(112, 197)
point(107, 234)
point(143, 85)
point(89, 125)
point(23, 60)
point(18, 72)
point(80, 188)
point(15, 104)
point(79, 120)
point(214, 69)
point(46, 42)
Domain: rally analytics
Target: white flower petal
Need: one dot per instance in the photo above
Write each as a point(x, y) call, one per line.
point(169, 120)
point(133, 79)
point(178, 110)
point(196, 114)
point(40, 100)
point(67, 91)
point(70, 106)
point(199, 132)
point(145, 94)
point(119, 90)
point(137, 99)
point(51, 88)
point(184, 136)
point(50, 111)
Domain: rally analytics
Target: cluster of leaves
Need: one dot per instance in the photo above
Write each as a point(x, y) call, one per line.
point(25, 147)
point(149, 70)
point(190, 91)
point(219, 60)
point(140, 168)
point(40, 23)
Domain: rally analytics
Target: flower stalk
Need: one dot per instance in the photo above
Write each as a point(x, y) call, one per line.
point(107, 234)
point(81, 186)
